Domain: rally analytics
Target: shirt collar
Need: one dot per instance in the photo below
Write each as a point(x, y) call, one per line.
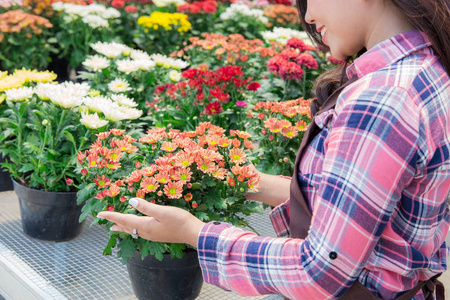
point(388, 52)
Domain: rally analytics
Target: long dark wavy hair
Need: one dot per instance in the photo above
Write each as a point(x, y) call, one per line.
point(432, 17)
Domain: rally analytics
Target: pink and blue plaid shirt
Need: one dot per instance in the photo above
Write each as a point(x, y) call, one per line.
point(377, 179)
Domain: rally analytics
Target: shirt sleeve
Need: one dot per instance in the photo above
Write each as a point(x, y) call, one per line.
point(369, 157)
point(280, 217)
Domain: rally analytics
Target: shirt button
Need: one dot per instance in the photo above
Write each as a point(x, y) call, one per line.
point(333, 255)
point(216, 223)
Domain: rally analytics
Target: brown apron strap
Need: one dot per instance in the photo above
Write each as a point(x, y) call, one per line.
point(299, 225)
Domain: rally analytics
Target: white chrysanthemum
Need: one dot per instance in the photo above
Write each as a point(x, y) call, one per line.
point(175, 76)
point(92, 121)
point(131, 113)
point(95, 21)
point(177, 64)
point(41, 88)
point(110, 13)
point(19, 94)
point(162, 3)
point(96, 62)
point(234, 11)
point(119, 85)
point(95, 9)
point(128, 66)
point(110, 50)
point(282, 35)
point(159, 59)
point(123, 100)
point(145, 64)
point(139, 55)
point(67, 94)
point(115, 113)
point(97, 103)
point(58, 6)
point(69, 18)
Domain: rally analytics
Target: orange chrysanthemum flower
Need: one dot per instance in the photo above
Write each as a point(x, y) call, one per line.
point(112, 191)
point(101, 181)
point(173, 190)
point(289, 132)
point(162, 177)
point(93, 160)
point(169, 147)
point(117, 132)
point(206, 166)
point(188, 197)
point(103, 135)
point(148, 171)
point(237, 156)
point(183, 160)
point(301, 125)
point(184, 175)
point(149, 184)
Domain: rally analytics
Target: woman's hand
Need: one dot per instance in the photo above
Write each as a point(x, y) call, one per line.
point(274, 189)
point(161, 224)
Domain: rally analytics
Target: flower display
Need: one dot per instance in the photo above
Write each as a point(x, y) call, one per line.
point(200, 14)
point(215, 50)
point(291, 72)
point(48, 123)
point(279, 127)
point(80, 25)
point(261, 4)
point(203, 171)
point(240, 18)
point(25, 39)
point(162, 32)
point(119, 69)
point(282, 35)
point(217, 96)
point(280, 15)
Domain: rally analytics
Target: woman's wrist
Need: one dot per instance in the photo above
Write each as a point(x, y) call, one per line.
point(274, 189)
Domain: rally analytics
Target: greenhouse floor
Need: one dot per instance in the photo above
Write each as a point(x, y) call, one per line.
point(33, 269)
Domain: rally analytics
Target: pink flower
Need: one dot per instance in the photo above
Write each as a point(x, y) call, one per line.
point(241, 103)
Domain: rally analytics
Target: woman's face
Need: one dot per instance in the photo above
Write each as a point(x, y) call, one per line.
point(343, 24)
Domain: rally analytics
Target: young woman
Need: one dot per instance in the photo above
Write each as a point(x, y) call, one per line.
point(366, 211)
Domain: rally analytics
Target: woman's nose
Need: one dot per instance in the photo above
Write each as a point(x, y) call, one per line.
point(308, 18)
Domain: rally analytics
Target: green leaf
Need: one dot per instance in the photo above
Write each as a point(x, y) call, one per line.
point(127, 250)
point(157, 249)
point(111, 244)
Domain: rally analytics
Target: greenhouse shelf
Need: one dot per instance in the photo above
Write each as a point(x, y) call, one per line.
point(33, 269)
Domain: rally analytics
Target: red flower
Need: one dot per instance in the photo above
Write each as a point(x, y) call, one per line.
point(118, 3)
point(253, 86)
point(210, 7)
point(131, 9)
point(213, 108)
point(307, 60)
point(189, 73)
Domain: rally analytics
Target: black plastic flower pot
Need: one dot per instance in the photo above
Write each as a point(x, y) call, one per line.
point(5, 179)
point(49, 216)
point(169, 279)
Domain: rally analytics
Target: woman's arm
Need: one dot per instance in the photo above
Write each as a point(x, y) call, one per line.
point(273, 191)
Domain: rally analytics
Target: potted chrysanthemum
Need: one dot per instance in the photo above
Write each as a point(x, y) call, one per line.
point(43, 126)
point(202, 171)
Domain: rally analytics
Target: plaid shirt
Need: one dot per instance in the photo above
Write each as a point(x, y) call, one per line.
point(376, 178)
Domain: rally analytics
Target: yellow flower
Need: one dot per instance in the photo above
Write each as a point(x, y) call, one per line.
point(11, 82)
point(3, 74)
point(35, 76)
point(168, 21)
